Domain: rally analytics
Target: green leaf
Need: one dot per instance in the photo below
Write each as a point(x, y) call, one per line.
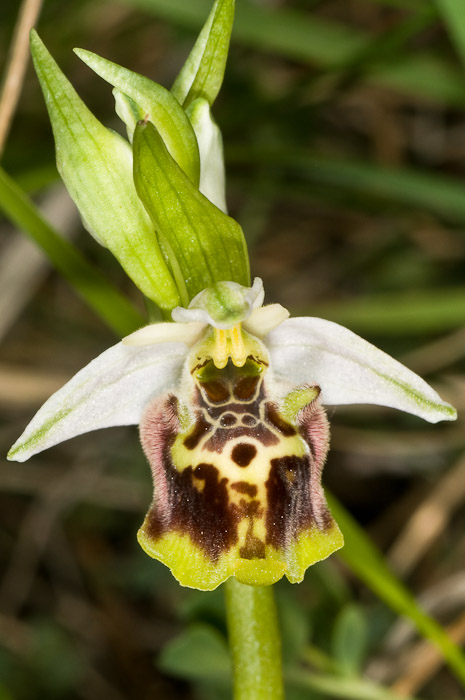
point(453, 14)
point(107, 302)
point(202, 244)
point(293, 624)
point(365, 560)
point(350, 637)
point(158, 105)
point(198, 653)
point(202, 73)
point(96, 167)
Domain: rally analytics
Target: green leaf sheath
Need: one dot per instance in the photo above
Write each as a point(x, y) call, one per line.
point(112, 307)
point(254, 641)
point(206, 244)
point(202, 73)
point(96, 167)
point(158, 105)
point(361, 555)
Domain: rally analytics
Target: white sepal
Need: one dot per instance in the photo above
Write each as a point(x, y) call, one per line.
point(111, 390)
point(212, 175)
point(348, 369)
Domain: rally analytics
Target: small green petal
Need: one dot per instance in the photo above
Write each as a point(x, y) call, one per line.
point(158, 105)
point(202, 74)
point(128, 111)
point(96, 167)
point(201, 243)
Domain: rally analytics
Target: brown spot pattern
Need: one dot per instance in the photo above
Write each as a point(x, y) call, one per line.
point(290, 498)
point(200, 429)
point(273, 417)
point(245, 388)
point(195, 501)
point(245, 488)
point(216, 390)
point(243, 453)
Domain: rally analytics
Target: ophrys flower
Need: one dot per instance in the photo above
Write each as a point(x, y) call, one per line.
point(230, 400)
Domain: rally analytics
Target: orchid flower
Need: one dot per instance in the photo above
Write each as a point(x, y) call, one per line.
point(230, 403)
point(229, 394)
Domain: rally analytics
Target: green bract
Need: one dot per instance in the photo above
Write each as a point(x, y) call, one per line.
point(156, 104)
point(200, 241)
point(202, 73)
point(96, 166)
point(160, 213)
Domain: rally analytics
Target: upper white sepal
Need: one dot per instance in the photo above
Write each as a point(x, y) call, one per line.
point(348, 369)
point(212, 175)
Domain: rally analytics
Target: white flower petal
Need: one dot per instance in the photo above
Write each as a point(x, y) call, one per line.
point(348, 369)
point(111, 390)
point(187, 333)
point(261, 321)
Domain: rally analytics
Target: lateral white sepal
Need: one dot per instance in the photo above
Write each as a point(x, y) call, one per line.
point(111, 390)
point(348, 369)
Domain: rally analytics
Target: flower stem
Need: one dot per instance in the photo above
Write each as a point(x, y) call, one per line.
point(255, 642)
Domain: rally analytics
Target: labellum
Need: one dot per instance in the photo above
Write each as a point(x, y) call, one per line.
point(237, 476)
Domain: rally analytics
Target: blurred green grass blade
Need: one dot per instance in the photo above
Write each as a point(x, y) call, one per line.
point(367, 562)
point(37, 177)
point(453, 14)
point(310, 38)
point(400, 313)
point(439, 194)
point(107, 302)
point(422, 75)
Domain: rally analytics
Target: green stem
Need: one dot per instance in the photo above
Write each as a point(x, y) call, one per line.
point(255, 642)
